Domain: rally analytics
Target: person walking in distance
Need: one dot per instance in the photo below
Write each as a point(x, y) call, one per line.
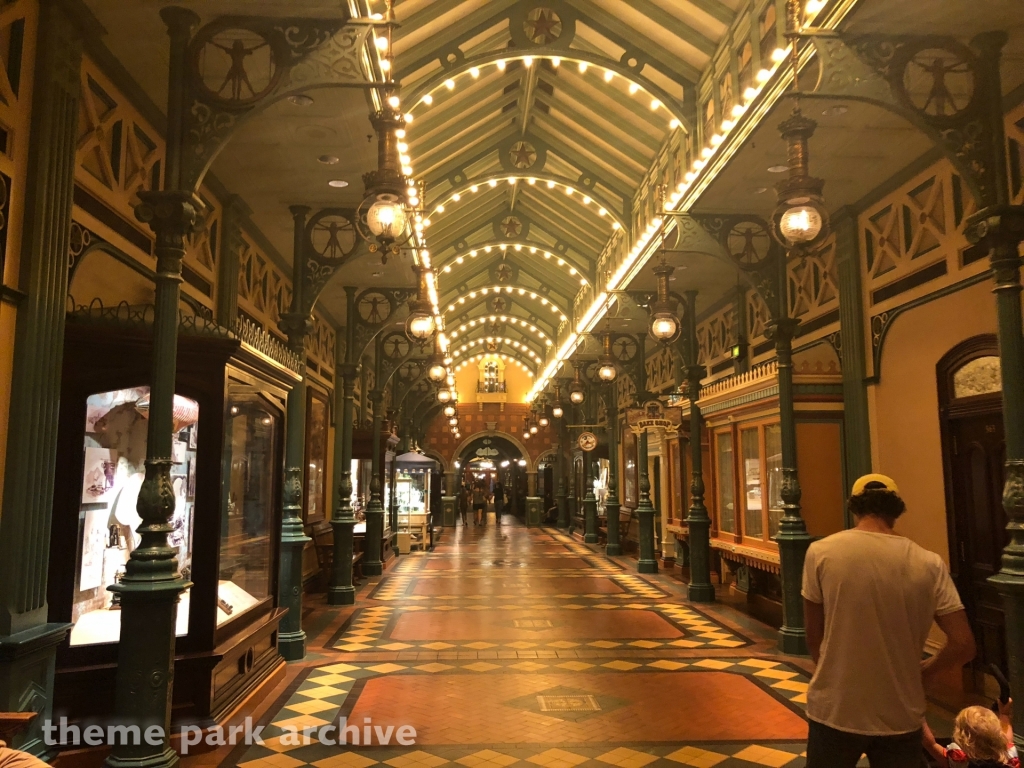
point(870, 597)
point(499, 502)
point(479, 503)
point(463, 502)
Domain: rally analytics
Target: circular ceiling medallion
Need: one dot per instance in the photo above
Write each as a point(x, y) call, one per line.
point(498, 304)
point(374, 307)
point(543, 26)
point(749, 243)
point(235, 66)
point(511, 226)
point(504, 273)
point(587, 441)
point(523, 155)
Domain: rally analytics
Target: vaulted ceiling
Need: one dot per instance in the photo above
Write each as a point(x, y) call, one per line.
point(533, 125)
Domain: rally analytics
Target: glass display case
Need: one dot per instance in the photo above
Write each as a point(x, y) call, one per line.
point(227, 474)
point(249, 487)
point(114, 456)
point(412, 500)
point(314, 501)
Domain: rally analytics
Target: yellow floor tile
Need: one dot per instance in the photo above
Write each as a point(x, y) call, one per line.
point(557, 758)
point(311, 706)
point(698, 758)
point(765, 756)
point(345, 760)
point(627, 758)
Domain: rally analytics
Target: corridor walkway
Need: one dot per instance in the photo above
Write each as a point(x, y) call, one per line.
point(516, 647)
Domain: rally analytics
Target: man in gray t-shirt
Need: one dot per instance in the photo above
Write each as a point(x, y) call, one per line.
point(870, 597)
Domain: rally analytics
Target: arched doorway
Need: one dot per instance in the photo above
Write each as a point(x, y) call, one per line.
point(973, 452)
point(496, 462)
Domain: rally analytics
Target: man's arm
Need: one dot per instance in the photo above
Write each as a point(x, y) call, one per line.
point(814, 624)
point(958, 650)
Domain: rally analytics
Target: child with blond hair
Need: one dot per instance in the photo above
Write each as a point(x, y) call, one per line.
point(981, 739)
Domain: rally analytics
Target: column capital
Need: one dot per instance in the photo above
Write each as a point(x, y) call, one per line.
point(171, 214)
point(296, 326)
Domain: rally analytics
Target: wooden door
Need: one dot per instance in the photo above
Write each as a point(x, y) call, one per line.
point(977, 447)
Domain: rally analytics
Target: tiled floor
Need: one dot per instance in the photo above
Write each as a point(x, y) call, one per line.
point(516, 647)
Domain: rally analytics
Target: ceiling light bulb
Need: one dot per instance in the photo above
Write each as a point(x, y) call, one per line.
point(381, 43)
point(501, 64)
point(762, 75)
point(583, 67)
point(551, 185)
point(474, 72)
point(528, 61)
point(655, 104)
point(408, 117)
point(779, 54)
point(633, 88)
point(608, 75)
point(385, 65)
point(493, 183)
point(555, 61)
point(394, 101)
point(456, 197)
point(449, 84)
point(403, 147)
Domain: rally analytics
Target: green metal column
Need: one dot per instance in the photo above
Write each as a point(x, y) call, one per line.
point(291, 640)
point(372, 563)
point(648, 562)
point(231, 248)
point(698, 522)
point(561, 495)
point(793, 538)
point(152, 584)
point(343, 521)
point(27, 641)
point(1000, 228)
point(856, 427)
point(612, 505)
point(648, 559)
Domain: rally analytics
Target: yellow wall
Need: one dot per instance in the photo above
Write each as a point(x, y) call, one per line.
point(904, 405)
point(517, 380)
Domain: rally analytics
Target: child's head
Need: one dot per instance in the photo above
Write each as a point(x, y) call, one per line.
point(978, 732)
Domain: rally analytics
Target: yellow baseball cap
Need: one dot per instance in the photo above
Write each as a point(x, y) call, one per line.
point(874, 482)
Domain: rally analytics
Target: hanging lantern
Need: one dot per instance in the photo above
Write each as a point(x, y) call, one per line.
point(607, 367)
point(557, 412)
point(577, 394)
point(801, 219)
point(420, 326)
point(665, 325)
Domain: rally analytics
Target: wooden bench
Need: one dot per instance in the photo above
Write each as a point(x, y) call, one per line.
point(324, 542)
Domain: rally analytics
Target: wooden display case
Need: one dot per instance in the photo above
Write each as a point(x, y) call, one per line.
point(229, 416)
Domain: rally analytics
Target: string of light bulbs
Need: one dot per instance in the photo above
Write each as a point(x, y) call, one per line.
point(469, 325)
point(518, 248)
point(524, 348)
point(510, 291)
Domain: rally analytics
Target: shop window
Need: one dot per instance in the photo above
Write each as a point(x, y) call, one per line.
point(726, 482)
point(727, 97)
point(753, 499)
point(116, 425)
point(709, 120)
point(773, 471)
point(250, 484)
point(745, 60)
point(314, 499)
point(769, 32)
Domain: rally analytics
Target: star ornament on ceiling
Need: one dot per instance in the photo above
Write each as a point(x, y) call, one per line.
point(543, 26)
point(511, 226)
point(523, 155)
point(504, 273)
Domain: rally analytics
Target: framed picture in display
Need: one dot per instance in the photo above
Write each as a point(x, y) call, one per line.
point(315, 496)
point(629, 470)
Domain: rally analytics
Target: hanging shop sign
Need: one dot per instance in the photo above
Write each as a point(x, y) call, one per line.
point(655, 415)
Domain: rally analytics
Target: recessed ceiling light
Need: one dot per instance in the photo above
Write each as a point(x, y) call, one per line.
point(376, 274)
point(778, 168)
point(301, 100)
point(760, 190)
point(838, 109)
point(328, 159)
point(337, 183)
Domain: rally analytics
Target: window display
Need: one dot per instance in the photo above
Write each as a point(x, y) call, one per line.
point(116, 425)
point(412, 499)
point(313, 499)
point(773, 469)
point(750, 444)
point(249, 491)
point(726, 474)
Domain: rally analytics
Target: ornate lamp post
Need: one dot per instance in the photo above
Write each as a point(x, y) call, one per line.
point(800, 223)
